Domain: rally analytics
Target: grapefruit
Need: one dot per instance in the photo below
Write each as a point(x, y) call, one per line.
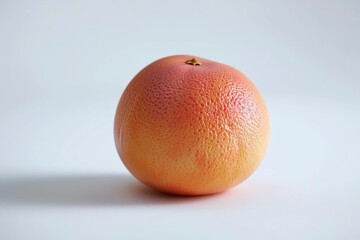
point(191, 126)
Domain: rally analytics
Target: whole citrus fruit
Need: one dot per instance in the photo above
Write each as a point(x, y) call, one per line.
point(187, 125)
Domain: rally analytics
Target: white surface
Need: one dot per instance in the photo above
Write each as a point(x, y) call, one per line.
point(63, 67)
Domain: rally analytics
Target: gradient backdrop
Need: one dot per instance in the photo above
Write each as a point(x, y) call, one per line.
point(64, 65)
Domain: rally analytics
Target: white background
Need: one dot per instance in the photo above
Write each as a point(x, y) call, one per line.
point(64, 65)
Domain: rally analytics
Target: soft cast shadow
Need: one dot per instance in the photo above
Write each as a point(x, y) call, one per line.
point(83, 190)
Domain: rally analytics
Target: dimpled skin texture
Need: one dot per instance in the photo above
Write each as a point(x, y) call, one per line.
point(191, 130)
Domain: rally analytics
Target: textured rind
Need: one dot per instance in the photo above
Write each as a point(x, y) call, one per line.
point(191, 130)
